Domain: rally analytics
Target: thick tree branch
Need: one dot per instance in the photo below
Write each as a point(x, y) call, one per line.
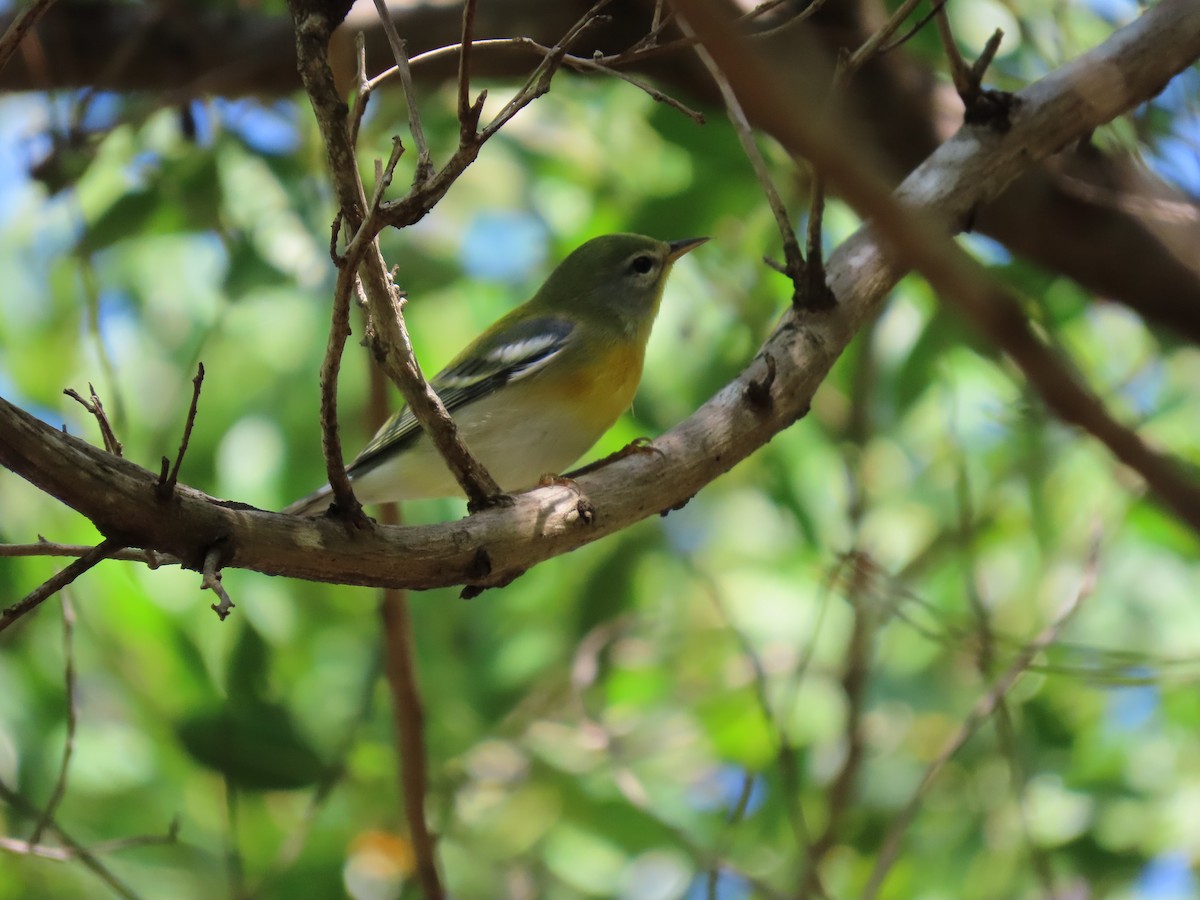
point(187, 52)
point(495, 544)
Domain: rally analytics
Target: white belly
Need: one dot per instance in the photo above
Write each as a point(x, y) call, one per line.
point(515, 449)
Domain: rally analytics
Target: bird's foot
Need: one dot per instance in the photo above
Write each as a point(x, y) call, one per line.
point(584, 506)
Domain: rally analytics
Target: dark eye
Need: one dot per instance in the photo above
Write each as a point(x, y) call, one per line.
point(642, 264)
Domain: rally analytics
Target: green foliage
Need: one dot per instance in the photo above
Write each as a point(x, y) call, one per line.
point(591, 728)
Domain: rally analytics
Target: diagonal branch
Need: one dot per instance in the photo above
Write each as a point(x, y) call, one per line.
point(919, 241)
point(390, 343)
point(972, 167)
point(58, 581)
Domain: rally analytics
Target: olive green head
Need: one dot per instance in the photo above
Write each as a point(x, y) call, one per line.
point(617, 276)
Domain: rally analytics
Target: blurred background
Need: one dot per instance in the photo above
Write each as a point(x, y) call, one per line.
point(677, 711)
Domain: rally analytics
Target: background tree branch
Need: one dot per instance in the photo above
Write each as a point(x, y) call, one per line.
point(494, 546)
point(1087, 214)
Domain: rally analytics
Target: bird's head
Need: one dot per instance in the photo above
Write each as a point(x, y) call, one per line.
point(616, 275)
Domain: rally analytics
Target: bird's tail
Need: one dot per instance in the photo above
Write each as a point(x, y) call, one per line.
point(313, 505)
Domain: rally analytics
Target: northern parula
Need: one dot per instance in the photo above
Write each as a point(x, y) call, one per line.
point(532, 393)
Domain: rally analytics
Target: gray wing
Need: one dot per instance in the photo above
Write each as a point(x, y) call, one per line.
point(490, 363)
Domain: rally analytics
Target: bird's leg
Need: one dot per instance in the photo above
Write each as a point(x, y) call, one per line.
point(637, 445)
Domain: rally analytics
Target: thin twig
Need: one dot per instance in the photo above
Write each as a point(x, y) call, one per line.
point(871, 46)
point(57, 582)
point(96, 408)
point(569, 61)
point(401, 672)
point(166, 486)
point(808, 12)
point(468, 115)
point(582, 64)
point(538, 82)
point(211, 581)
point(968, 80)
point(48, 548)
point(331, 365)
point(67, 854)
point(958, 279)
point(960, 72)
point(361, 98)
point(409, 720)
point(913, 30)
point(424, 160)
point(982, 710)
point(21, 25)
point(986, 56)
point(86, 856)
point(60, 783)
point(793, 259)
point(386, 333)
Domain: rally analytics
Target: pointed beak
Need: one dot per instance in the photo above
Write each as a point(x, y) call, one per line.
point(678, 248)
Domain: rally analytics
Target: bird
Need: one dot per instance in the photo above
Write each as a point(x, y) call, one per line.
point(539, 387)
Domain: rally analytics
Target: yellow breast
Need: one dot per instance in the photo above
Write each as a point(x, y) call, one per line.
point(599, 392)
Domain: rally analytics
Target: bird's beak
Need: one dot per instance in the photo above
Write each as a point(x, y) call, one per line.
point(678, 248)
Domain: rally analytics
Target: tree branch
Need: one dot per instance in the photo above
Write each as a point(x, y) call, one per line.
point(183, 52)
point(115, 494)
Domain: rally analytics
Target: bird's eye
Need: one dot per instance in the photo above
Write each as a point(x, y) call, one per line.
point(642, 264)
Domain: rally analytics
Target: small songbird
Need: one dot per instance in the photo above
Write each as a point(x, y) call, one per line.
point(532, 393)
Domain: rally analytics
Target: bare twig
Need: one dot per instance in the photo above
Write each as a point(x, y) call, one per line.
point(605, 65)
point(539, 81)
point(331, 441)
point(386, 332)
point(166, 485)
point(968, 80)
point(408, 716)
point(211, 581)
point(986, 56)
point(96, 408)
point(914, 29)
point(582, 64)
point(361, 98)
point(960, 72)
point(982, 710)
point(957, 278)
point(791, 248)
point(60, 783)
point(49, 548)
point(400, 670)
point(71, 849)
point(57, 582)
point(67, 854)
point(21, 25)
point(809, 11)
point(871, 46)
point(468, 114)
point(424, 161)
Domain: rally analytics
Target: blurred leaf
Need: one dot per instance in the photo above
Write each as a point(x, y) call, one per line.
point(253, 745)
